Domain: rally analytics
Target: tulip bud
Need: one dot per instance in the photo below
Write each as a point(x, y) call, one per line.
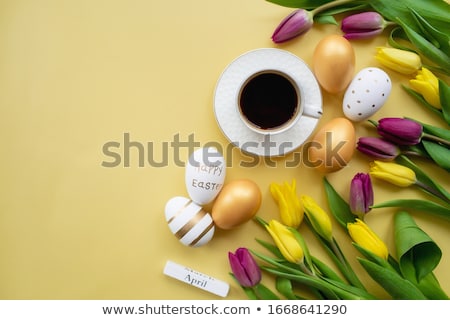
point(361, 194)
point(427, 84)
point(295, 24)
point(378, 148)
point(291, 211)
point(363, 25)
point(400, 131)
point(319, 219)
point(362, 235)
point(286, 242)
point(393, 173)
point(244, 267)
point(405, 62)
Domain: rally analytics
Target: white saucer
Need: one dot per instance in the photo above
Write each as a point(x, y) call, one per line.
point(226, 99)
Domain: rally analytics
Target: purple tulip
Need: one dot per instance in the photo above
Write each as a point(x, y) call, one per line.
point(378, 148)
point(401, 131)
point(363, 25)
point(361, 194)
point(295, 24)
point(244, 267)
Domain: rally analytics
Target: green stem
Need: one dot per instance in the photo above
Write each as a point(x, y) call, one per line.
point(329, 5)
point(390, 23)
point(415, 154)
point(432, 191)
point(433, 138)
point(343, 291)
point(305, 269)
point(373, 122)
point(345, 267)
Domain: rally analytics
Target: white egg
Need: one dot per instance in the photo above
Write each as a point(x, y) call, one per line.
point(366, 94)
point(205, 175)
point(188, 221)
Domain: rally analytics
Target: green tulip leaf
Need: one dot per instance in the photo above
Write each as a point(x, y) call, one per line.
point(394, 284)
point(265, 293)
point(425, 47)
point(325, 270)
point(398, 32)
point(250, 293)
point(270, 247)
point(284, 286)
point(342, 9)
point(422, 176)
point(339, 208)
point(331, 289)
point(338, 257)
point(418, 254)
point(247, 290)
point(417, 204)
point(305, 4)
point(431, 288)
point(439, 153)
point(319, 287)
point(359, 293)
point(444, 95)
point(261, 221)
point(390, 263)
point(280, 264)
point(438, 38)
point(437, 131)
point(370, 256)
point(325, 19)
point(435, 12)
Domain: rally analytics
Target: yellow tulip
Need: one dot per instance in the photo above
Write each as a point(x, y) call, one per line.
point(291, 211)
point(392, 172)
point(405, 62)
point(319, 219)
point(285, 241)
point(362, 235)
point(427, 84)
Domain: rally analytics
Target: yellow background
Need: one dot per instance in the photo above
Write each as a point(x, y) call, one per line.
point(77, 74)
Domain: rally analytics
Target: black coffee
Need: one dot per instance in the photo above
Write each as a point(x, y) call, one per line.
point(268, 100)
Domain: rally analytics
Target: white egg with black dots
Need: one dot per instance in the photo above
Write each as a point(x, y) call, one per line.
point(366, 94)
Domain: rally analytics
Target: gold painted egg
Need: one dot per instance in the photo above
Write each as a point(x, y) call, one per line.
point(236, 204)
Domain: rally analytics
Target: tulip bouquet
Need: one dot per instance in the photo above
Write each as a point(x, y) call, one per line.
point(291, 261)
point(421, 23)
point(410, 276)
point(294, 266)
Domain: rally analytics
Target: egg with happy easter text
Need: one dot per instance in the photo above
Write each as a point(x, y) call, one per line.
point(236, 204)
point(366, 94)
point(332, 146)
point(334, 63)
point(192, 225)
point(205, 175)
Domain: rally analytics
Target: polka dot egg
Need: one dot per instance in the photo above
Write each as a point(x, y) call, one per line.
point(366, 94)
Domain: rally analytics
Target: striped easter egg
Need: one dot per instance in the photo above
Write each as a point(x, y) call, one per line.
point(188, 221)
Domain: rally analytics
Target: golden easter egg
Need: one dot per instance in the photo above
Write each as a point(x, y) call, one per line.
point(237, 203)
